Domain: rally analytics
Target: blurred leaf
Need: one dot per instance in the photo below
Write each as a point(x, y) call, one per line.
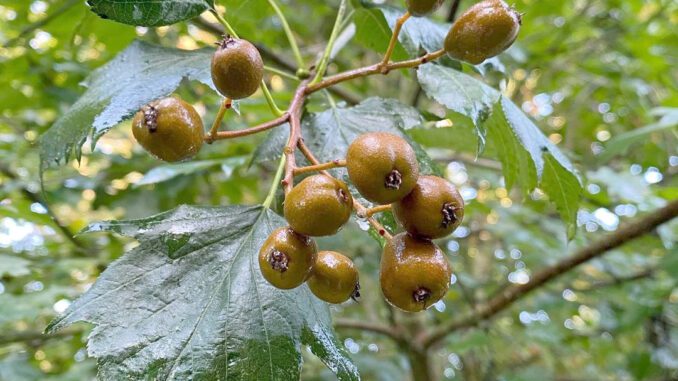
point(13, 266)
point(149, 12)
point(190, 300)
point(620, 143)
point(138, 75)
point(170, 171)
point(418, 32)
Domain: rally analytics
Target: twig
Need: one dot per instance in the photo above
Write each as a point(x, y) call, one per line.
point(288, 33)
point(30, 336)
point(511, 293)
point(325, 59)
point(320, 167)
point(39, 24)
point(369, 212)
point(222, 135)
point(225, 106)
point(368, 326)
point(295, 135)
point(647, 273)
point(394, 40)
point(454, 8)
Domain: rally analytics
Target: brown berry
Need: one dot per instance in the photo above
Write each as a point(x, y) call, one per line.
point(237, 68)
point(286, 258)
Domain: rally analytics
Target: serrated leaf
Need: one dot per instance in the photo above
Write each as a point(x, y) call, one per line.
point(530, 159)
point(13, 266)
point(329, 133)
point(149, 12)
point(168, 172)
point(138, 75)
point(190, 303)
point(457, 91)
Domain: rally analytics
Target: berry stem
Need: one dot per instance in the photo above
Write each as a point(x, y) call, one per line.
point(225, 105)
point(324, 61)
point(320, 167)
point(223, 135)
point(222, 21)
point(394, 40)
point(288, 33)
point(281, 73)
point(269, 99)
point(276, 182)
point(369, 212)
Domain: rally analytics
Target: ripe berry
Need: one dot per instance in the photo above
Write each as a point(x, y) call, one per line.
point(433, 209)
point(414, 273)
point(483, 31)
point(383, 167)
point(334, 278)
point(237, 68)
point(286, 258)
point(423, 7)
point(319, 205)
point(169, 129)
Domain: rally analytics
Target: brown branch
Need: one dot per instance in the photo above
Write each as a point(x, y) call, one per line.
point(369, 327)
point(222, 135)
point(373, 69)
point(511, 293)
point(295, 112)
point(31, 336)
point(647, 273)
point(454, 8)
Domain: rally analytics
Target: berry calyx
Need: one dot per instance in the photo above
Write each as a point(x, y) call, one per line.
point(483, 31)
point(318, 206)
point(237, 68)
point(420, 8)
point(334, 278)
point(170, 129)
point(414, 273)
point(286, 258)
point(434, 208)
point(382, 166)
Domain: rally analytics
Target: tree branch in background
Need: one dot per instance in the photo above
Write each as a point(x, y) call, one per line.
point(30, 336)
point(368, 327)
point(39, 24)
point(512, 293)
point(454, 8)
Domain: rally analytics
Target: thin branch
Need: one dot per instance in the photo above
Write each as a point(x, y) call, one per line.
point(222, 135)
point(454, 8)
point(374, 210)
point(373, 69)
point(295, 111)
point(225, 106)
point(647, 273)
point(39, 24)
point(288, 33)
point(367, 326)
point(320, 167)
point(325, 59)
point(394, 40)
point(512, 293)
point(30, 336)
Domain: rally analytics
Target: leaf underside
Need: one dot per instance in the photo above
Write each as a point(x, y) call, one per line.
point(149, 12)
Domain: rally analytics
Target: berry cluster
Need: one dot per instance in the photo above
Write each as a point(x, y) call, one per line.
point(383, 168)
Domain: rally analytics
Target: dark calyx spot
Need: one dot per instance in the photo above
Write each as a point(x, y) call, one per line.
point(226, 42)
point(356, 292)
point(449, 215)
point(151, 118)
point(421, 295)
point(342, 195)
point(278, 260)
point(393, 180)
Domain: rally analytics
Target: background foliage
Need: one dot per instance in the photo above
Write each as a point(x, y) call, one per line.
point(597, 78)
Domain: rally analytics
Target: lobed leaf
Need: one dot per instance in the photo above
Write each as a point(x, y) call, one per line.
point(190, 303)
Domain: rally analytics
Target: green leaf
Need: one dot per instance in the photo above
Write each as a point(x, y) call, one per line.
point(190, 303)
point(149, 12)
point(458, 92)
point(329, 133)
point(138, 75)
point(13, 266)
point(168, 172)
point(530, 159)
point(373, 32)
